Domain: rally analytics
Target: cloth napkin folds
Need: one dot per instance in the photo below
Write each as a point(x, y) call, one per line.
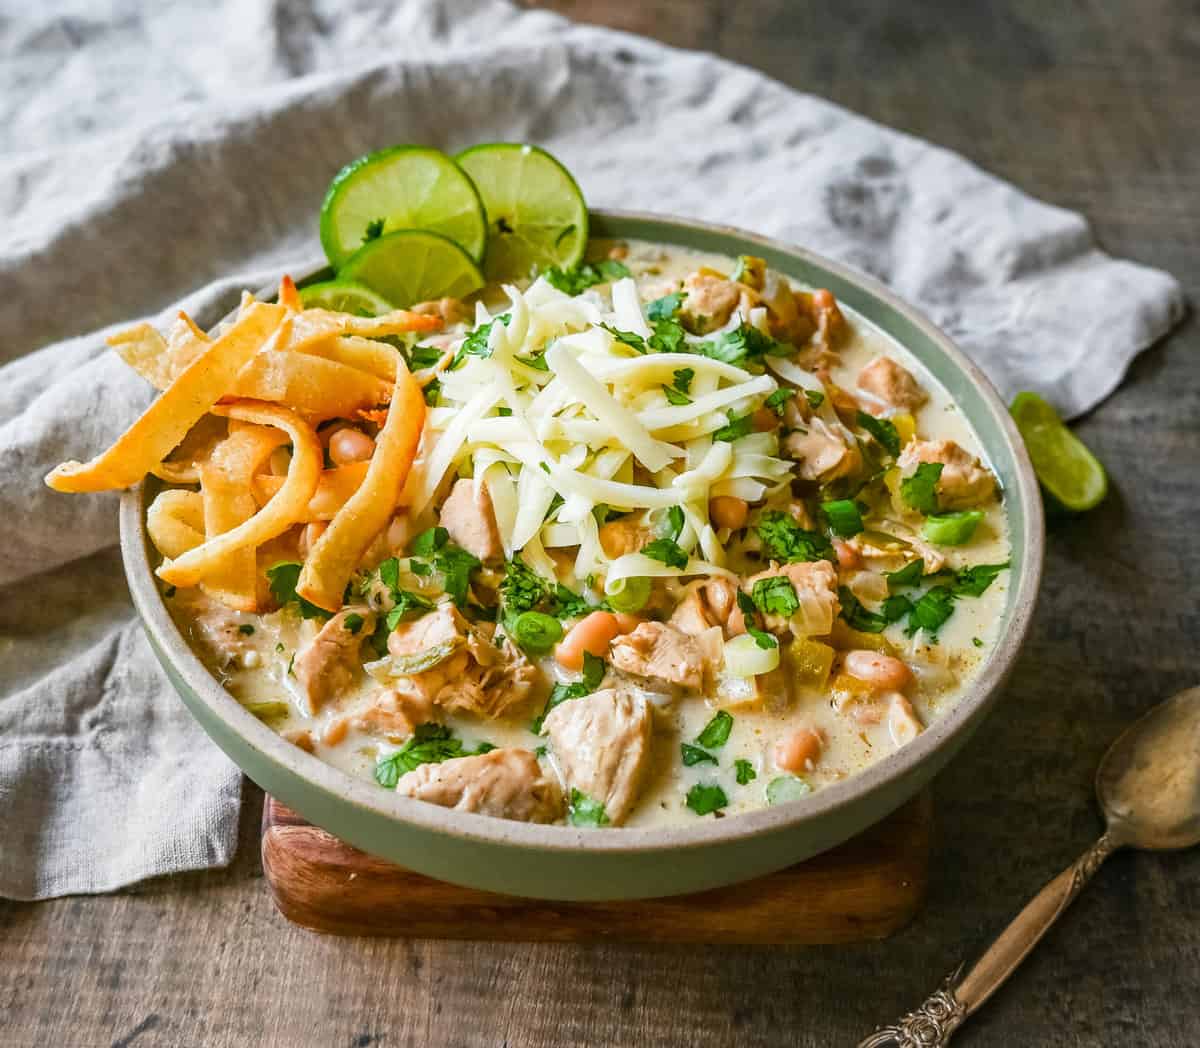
point(160, 156)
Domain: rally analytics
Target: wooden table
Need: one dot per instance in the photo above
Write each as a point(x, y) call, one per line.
point(1092, 106)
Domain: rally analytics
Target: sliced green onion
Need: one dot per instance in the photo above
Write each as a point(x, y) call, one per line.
point(536, 633)
point(952, 529)
point(844, 518)
point(744, 657)
point(786, 788)
point(628, 594)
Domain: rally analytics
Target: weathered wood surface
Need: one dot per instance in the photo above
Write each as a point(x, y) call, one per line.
point(866, 889)
point(1090, 105)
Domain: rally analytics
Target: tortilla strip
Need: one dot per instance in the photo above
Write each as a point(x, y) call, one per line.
point(175, 521)
point(333, 491)
point(284, 509)
point(289, 297)
point(377, 358)
point(336, 554)
point(315, 324)
point(311, 385)
point(166, 422)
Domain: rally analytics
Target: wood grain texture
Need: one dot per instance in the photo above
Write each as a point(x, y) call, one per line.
point(867, 889)
point(1090, 105)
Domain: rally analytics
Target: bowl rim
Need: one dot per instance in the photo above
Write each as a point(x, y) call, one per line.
point(341, 787)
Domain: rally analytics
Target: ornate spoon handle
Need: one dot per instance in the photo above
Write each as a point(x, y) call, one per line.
point(932, 1024)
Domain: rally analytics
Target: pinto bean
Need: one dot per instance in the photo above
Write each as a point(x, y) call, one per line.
point(799, 751)
point(727, 511)
point(350, 445)
point(592, 634)
point(882, 672)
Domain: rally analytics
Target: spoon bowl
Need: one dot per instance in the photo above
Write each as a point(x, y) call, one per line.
point(1148, 783)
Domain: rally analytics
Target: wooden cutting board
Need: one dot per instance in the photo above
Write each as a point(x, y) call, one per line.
point(865, 889)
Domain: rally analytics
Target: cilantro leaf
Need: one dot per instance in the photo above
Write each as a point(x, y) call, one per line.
point(456, 566)
point(909, 575)
point(352, 623)
point(882, 430)
point(664, 308)
point(931, 610)
point(668, 551)
point(406, 601)
point(736, 428)
point(716, 731)
point(675, 522)
point(778, 399)
point(282, 578)
point(784, 540)
point(745, 772)
point(974, 581)
point(857, 616)
point(429, 744)
point(706, 798)
point(627, 338)
point(373, 231)
point(814, 397)
point(246, 630)
point(421, 357)
point(763, 639)
point(476, 343)
point(584, 811)
point(683, 379)
point(522, 588)
point(920, 490)
point(430, 541)
point(594, 669)
point(577, 279)
point(675, 398)
point(692, 755)
point(667, 337)
point(740, 345)
point(775, 596)
point(844, 517)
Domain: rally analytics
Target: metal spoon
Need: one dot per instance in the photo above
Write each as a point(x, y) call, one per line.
point(1148, 785)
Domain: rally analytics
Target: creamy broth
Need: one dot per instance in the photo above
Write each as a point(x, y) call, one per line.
point(254, 654)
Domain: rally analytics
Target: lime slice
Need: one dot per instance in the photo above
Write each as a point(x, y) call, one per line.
point(1067, 470)
point(405, 187)
point(413, 265)
point(344, 296)
point(536, 215)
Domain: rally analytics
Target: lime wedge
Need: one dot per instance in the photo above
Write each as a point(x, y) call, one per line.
point(344, 296)
point(1067, 470)
point(405, 187)
point(536, 215)
point(412, 266)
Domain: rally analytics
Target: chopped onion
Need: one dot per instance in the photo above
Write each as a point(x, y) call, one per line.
point(744, 657)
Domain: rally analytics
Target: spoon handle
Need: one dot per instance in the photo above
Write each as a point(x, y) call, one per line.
point(932, 1024)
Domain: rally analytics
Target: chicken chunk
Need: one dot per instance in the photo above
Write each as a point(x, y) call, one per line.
point(815, 586)
point(709, 302)
point(215, 628)
point(602, 745)
point(891, 384)
point(331, 662)
point(468, 516)
point(451, 310)
point(822, 453)
point(456, 665)
point(664, 652)
point(708, 603)
point(624, 535)
point(390, 712)
point(965, 481)
point(504, 783)
point(822, 309)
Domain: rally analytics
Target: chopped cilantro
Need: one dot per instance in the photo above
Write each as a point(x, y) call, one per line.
point(421, 357)
point(419, 567)
point(716, 731)
point(763, 639)
point(693, 755)
point(909, 575)
point(744, 343)
point(353, 623)
point(735, 428)
point(540, 752)
point(456, 566)
point(537, 362)
point(706, 798)
point(664, 308)
point(668, 551)
point(882, 430)
point(974, 581)
point(931, 610)
point(775, 596)
point(405, 601)
point(920, 490)
point(430, 541)
point(594, 669)
point(667, 337)
point(373, 231)
point(675, 398)
point(522, 588)
point(576, 280)
point(784, 540)
point(814, 397)
point(476, 343)
point(744, 772)
point(283, 578)
point(584, 811)
point(433, 390)
point(683, 379)
point(675, 522)
point(627, 338)
point(978, 642)
point(857, 616)
point(844, 517)
point(777, 399)
point(245, 629)
point(429, 744)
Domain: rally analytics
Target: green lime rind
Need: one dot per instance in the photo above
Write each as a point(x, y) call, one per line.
point(413, 265)
point(536, 214)
point(345, 296)
point(404, 187)
point(1067, 470)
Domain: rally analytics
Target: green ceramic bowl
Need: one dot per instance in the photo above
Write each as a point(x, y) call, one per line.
point(560, 862)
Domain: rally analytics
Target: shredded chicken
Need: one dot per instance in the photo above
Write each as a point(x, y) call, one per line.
point(504, 783)
point(707, 603)
point(891, 384)
point(965, 481)
point(330, 663)
point(815, 585)
point(709, 302)
point(822, 453)
point(664, 652)
point(468, 516)
point(602, 746)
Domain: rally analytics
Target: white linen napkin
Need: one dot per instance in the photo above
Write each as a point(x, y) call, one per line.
point(159, 149)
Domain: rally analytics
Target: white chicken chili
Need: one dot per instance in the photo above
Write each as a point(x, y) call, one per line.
point(680, 540)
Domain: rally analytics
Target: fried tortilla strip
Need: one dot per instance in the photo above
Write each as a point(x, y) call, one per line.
point(313, 386)
point(334, 490)
point(289, 297)
point(166, 422)
point(183, 467)
point(160, 361)
point(317, 324)
point(175, 521)
point(285, 508)
point(228, 502)
point(338, 551)
point(376, 358)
